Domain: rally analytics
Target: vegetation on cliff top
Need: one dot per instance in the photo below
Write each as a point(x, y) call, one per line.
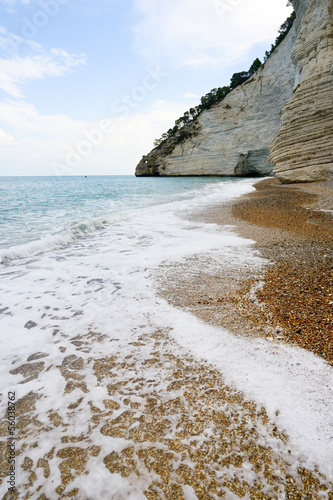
point(185, 125)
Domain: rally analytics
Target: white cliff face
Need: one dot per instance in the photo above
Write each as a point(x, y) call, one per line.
point(303, 149)
point(234, 136)
point(282, 116)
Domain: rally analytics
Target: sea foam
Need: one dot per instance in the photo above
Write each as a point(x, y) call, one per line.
point(93, 297)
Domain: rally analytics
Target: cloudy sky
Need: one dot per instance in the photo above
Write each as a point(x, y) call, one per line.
point(87, 85)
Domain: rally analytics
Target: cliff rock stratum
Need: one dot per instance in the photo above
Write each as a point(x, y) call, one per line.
point(279, 121)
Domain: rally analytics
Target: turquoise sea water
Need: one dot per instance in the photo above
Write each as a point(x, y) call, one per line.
point(79, 258)
point(37, 209)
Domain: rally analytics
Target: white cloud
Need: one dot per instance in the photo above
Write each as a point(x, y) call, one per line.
point(189, 95)
point(24, 118)
point(6, 139)
point(10, 5)
point(203, 33)
point(25, 60)
point(145, 127)
point(45, 140)
point(130, 138)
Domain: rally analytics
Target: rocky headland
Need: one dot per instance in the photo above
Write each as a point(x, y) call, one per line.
point(303, 149)
point(278, 121)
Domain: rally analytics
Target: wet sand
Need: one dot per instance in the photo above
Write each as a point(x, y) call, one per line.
point(291, 299)
point(169, 426)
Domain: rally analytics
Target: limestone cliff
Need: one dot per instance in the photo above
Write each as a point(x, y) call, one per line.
point(303, 149)
point(234, 136)
point(281, 116)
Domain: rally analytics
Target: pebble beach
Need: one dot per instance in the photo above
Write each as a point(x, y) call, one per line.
point(225, 391)
point(293, 229)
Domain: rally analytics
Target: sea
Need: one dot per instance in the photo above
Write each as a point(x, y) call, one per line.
point(43, 214)
point(78, 260)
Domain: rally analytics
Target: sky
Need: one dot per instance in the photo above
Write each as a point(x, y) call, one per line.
point(86, 86)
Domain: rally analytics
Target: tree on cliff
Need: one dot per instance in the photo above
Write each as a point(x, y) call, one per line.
point(216, 95)
point(255, 66)
point(283, 32)
point(238, 79)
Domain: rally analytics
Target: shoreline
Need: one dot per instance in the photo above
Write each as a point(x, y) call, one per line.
point(291, 298)
point(166, 406)
point(298, 287)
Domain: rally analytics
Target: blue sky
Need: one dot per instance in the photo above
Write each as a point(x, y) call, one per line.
point(87, 85)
